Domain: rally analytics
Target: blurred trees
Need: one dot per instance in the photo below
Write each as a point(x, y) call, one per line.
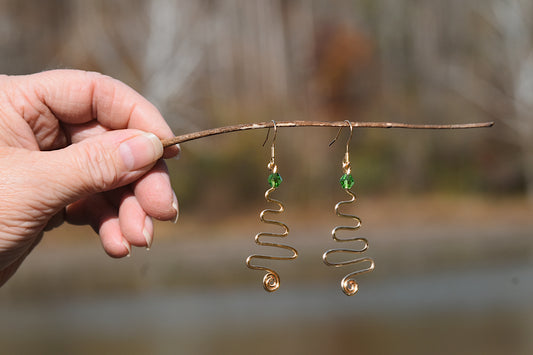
point(213, 62)
point(503, 84)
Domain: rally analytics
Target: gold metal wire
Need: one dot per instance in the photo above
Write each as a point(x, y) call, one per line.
point(348, 284)
point(271, 280)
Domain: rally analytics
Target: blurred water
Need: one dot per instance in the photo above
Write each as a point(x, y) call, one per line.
point(479, 290)
point(486, 301)
point(437, 289)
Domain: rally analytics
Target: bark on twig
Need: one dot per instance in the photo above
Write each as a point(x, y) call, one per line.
point(246, 126)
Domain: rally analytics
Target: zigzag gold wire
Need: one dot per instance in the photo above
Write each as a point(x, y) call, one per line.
point(348, 284)
point(271, 280)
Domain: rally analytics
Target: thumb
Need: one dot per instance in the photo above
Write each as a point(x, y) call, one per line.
point(98, 163)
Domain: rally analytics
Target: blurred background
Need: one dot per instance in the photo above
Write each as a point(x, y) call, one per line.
point(448, 214)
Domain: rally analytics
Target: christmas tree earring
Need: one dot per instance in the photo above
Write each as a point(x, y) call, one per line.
point(271, 280)
point(348, 284)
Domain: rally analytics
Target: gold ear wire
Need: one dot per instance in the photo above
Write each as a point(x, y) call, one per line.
point(272, 164)
point(339, 132)
point(346, 161)
point(268, 133)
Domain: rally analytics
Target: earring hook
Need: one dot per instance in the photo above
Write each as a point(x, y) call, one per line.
point(339, 132)
point(272, 164)
point(268, 133)
point(346, 160)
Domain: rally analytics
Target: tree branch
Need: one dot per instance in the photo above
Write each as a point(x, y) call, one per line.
point(260, 125)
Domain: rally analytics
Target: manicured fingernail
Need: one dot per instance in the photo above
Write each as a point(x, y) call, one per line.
point(128, 246)
point(146, 232)
point(140, 151)
point(176, 208)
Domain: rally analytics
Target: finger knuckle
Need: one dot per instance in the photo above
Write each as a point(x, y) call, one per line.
point(98, 166)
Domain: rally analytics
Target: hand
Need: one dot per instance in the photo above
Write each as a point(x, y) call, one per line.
point(75, 146)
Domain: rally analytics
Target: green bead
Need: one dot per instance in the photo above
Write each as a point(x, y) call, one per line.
point(274, 179)
point(346, 181)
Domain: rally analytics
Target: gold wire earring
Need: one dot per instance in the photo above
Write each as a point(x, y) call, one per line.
point(348, 284)
point(271, 280)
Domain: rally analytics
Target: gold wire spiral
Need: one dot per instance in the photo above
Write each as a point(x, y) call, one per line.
point(271, 280)
point(348, 284)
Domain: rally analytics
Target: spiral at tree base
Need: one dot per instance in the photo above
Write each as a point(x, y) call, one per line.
point(349, 287)
point(271, 282)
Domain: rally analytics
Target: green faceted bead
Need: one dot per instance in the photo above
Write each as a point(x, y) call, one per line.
point(274, 179)
point(346, 181)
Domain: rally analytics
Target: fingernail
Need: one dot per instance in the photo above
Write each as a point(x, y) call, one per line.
point(147, 235)
point(177, 157)
point(128, 246)
point(176, 208)
point(140, 151)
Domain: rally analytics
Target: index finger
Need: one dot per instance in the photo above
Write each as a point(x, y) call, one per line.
point(78, 97)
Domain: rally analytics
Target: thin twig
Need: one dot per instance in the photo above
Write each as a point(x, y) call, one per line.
point(246, 126)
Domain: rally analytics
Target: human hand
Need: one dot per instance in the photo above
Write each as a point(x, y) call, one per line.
point(74, 146)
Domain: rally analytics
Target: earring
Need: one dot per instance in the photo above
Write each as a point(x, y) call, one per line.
point(271, 280)
point(348, 284)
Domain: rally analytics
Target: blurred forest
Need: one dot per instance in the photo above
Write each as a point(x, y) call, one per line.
point(447, 213)
point(211, 63)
